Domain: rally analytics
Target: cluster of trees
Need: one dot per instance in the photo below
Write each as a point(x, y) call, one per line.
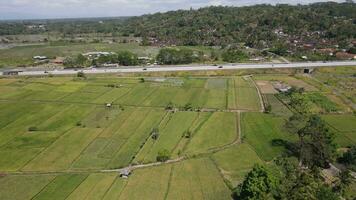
point(288, 181)
point(125, 58)
point(297, 175)
point(171, 56)
point(226, 25)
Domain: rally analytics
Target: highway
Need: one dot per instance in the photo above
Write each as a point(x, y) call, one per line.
point(136, 69)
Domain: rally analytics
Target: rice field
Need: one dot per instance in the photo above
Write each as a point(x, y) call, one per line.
point(60, 140)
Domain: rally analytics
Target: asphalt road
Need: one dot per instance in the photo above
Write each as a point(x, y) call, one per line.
point(190, 68)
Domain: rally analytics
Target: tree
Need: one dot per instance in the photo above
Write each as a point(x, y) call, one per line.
point(81, 60)
point(319, 150)
point(234, 55)
point(171, 56)
point(127, 58)
point(268, 108)
point(349, 158)
point(155, 134)
point(258, 184)
point(163, 155)
point(81, 74)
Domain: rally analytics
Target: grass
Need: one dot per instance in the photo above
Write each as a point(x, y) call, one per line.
point(344, 128)
point(23, 54)
point(61, 154)
point(278, 108)
point(61, 187)
point(169, 136)
point(246, 95)
point(218, 130)
point(323, 102)
point(197, 179)
point(23, 186)
point(236, 161)
point(149, 183)
point(260, 130)
point(93, 187)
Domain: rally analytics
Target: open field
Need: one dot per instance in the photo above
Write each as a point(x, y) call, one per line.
point(261, 130)
point(58, 139)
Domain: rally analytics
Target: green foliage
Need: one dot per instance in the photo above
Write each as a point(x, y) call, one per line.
point(32, 129)
point(320, 148)
point(127, 58)
point(268, 108)
point(81, 75)
point(78, 61)
point(258, 184)
point(234, 55)
point(163, 155)
point(171, 56)
point(349, 158)
point(155, 133)
point(229, 25)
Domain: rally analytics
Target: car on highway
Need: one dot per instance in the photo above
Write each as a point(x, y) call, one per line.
point(144, 69)
point(220, 67)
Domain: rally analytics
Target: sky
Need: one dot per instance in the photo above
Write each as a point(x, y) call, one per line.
point(44, 9)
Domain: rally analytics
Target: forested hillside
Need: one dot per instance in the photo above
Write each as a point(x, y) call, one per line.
point(258, 25)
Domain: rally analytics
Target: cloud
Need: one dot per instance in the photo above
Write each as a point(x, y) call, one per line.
point(93, 8)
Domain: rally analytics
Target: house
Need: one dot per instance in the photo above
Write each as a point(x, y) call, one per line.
point(345, 56)
point(40, 57)
point(11, 73)
point(125, 173)
point(58, 60)
point(97, 54)
point(281, 87)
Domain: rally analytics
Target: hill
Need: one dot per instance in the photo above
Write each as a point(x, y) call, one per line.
point(258, 26)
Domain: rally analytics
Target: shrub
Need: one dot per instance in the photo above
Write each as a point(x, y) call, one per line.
point(32, 129)
point(163, 155)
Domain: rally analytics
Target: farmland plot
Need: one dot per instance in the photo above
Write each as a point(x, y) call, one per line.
point(169, 137)
point(218, 130)
point(261, 130)
point(149, 183)
point(236, 162)
point(23, 187)
point(244, 96)
point(197, 179)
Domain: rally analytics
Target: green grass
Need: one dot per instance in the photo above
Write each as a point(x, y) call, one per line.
point(93, 187)
point(133, 144)
point(169, 136)
point(344, 128)
point(61, 187)
point(149, 183)
point(323, 102)
point(23, 55)
point(236, 162)
point(197, 179)
point(246, 95)
point(61, 154)
point(22, 187)
point(278, 108)
point(259, 130)
point(218, 130)
point(116, 188)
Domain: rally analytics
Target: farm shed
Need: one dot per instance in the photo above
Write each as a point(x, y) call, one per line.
point(125, 173)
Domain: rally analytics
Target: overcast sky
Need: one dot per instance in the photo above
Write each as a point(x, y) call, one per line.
point(35, 9)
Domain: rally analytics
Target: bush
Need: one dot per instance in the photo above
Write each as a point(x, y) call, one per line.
point(32, 129)
point(163, 155)
point(81, 75)
point(171, 56)
point(234, 55)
